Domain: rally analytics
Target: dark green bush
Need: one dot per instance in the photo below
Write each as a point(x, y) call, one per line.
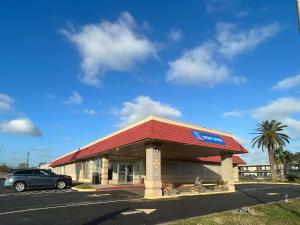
point(291, 177)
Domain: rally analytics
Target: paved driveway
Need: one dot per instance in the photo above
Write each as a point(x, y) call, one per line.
point(121, 207)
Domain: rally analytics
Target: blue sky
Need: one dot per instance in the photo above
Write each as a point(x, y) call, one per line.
point(73, 71)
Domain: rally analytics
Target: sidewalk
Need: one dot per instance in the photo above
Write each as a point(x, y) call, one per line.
point(110, 187)
point(135, 188)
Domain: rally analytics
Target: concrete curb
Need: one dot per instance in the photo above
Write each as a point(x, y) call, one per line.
point(83, 190)
point(190, 194)
point(266, 183)
point(108, 188)
point(120, 188)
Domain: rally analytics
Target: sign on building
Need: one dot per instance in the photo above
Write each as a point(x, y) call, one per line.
point(210, 138)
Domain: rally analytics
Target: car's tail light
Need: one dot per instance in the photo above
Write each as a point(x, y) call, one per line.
point(7, 177)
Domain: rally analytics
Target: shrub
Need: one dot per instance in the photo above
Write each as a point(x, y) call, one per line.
point(291, 177)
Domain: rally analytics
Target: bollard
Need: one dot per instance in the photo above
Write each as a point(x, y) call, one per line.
point(286, 198)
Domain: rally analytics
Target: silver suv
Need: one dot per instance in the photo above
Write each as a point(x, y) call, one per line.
point(22, 179)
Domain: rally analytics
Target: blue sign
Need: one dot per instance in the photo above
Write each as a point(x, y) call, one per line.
point(210, 138)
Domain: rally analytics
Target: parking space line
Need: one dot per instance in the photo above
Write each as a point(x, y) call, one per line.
point(67, 205)
point(36, 192)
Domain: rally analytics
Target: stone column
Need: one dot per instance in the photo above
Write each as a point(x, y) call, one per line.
point(104, 170)
point(91, 169)
point(236, 173)
point(227, 170)
point(153, 182)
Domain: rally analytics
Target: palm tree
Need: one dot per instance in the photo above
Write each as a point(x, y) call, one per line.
point(282, 156)
point(270, 136)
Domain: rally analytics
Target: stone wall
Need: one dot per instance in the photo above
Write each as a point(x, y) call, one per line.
point(172, 171)
point(186, 172)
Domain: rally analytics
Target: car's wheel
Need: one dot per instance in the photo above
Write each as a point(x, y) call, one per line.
point(19, 186)
point(61, 184)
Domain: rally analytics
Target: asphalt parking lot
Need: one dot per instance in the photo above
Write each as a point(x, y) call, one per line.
point(121, 207)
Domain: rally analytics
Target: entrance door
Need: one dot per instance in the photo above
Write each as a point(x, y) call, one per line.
point(126, 173)
point(129, 173)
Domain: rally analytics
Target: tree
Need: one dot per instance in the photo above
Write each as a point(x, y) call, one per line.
point(294, 161)
point(296, 158)
point(283, 157)
point(270, 135)
point(4, 168)
point(22, 166)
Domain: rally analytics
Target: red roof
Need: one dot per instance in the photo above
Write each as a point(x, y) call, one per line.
point(151, 129)
point(217, 159)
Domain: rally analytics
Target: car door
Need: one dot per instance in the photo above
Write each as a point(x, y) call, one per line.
point(45, 179)
point(32, 178)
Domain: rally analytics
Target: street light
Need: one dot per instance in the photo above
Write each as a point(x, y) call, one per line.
point(27, 161)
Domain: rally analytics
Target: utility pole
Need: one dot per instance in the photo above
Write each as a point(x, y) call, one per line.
point(27, 161)
point(298, 12)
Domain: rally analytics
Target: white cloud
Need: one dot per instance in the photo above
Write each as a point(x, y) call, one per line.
point(5, 102)
point(141, 107)
point(16, 126)
point(74, 99)
point(242, 14)
point(255, 156)
point(6, 98)
point(90, 112)
point(198, 67)
point(233, 41)
point(108, 46)
point(226, 6)
point(288, 83)
point(175, 35)
point(50, 96)
point(213, 6)
point(243, 141)
point(282, 110)
point(23, 126)
point(203, 65)
point(278, 109)
point(293, 124)
point(233, 113)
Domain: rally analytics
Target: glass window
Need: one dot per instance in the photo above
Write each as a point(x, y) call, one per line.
point(45, 173)
point(97, 165)
point(86, 170)
point(110, 171)
point(25, 172)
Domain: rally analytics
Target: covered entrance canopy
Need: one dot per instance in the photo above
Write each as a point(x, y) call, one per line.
point(156, 138)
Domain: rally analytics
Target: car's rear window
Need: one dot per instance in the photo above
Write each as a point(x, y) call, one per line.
point(10, 172)
point(23, 172)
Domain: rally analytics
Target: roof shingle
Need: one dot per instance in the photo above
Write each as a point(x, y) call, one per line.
point(154, 129)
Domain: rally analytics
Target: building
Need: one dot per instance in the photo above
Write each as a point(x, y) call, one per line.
point(260, 171)
point(44, 166)
point(216, 162)
point(155, 151)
